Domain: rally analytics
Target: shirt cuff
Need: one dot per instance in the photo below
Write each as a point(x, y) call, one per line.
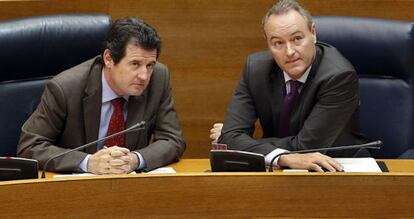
point(84, 164)
point(273, 154)
point(142, 164)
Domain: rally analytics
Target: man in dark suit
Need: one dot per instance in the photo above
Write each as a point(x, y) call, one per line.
point(107, 94)
point(304, 93)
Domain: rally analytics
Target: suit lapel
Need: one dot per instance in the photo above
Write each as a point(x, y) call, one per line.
point(298, 116)
point(277, 90)
point(136, 110)
point(92, 105)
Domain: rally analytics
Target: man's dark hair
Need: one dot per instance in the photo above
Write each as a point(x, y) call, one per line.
point(130, 30)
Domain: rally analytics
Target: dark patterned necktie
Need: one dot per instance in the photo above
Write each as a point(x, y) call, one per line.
point(288, 104)
point(116, 124)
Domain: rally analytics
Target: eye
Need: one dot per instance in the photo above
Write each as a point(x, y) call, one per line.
point(297, 39)
point(150, 66)
point(277, 44)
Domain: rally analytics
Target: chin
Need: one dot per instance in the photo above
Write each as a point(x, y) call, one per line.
point(137, 93)
point(296, 73)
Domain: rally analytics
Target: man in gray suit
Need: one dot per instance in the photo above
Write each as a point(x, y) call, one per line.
point(109, 93)
point(304, 93)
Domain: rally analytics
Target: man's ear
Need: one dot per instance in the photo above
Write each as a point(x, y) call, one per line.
point(108, 58)
point(313, 31)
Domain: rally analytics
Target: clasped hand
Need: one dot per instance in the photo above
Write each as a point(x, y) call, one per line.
point(113, 160)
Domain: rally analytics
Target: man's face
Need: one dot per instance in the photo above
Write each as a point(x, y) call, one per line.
point(133, 73)
point(291, 42)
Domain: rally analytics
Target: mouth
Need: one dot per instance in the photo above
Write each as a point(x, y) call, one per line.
point(292, 61)
point(138, 85)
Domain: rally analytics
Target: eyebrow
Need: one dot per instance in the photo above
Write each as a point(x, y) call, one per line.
point(294, 33)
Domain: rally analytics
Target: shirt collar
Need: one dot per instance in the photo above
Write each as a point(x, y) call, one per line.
point(302, 79)
point(107, 93)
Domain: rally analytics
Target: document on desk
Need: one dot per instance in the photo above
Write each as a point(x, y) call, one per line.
point(162, 170)
point(80, 174)
point(366, 165)
point(158, 170)
point(361, 165)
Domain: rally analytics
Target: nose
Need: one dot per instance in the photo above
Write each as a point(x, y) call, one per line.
point(290, 50)
point(142, 73)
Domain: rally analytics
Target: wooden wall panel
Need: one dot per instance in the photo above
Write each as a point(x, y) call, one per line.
point(205, 44)
point(25, 8)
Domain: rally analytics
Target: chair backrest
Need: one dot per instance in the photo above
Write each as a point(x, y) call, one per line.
point(32, 51)
point(382, 52)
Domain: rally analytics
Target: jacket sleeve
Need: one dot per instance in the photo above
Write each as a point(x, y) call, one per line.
point(41, 130)
point(240, 119)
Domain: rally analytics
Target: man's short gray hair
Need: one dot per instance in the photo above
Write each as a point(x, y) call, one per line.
point(284, 6)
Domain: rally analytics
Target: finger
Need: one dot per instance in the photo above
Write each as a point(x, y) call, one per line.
point(117, 170)
point(328, 163)
point(315, 168)
point(105, 170)
point(212, 131)
point(216, 129)
point(218, 125)
point(127, 168)
point(117, 153)
point(127, 158)
point(116, 162)
point(327, 166)
point(117, 148)
point(336, 165)
point(214, 136)
point(102, 152)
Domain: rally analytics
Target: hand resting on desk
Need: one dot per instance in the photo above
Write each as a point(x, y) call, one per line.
point(311, 161)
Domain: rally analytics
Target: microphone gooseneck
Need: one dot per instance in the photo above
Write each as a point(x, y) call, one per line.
point(371, 145)
point(136, 127)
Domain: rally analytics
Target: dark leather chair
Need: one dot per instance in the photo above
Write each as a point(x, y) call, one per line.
point(32, 51)
point(382, 52)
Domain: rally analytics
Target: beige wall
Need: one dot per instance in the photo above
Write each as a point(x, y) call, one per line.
point(205, 44)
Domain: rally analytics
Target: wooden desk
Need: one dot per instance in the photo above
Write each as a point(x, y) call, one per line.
point(192, 193)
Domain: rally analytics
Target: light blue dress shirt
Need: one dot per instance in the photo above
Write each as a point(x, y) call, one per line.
point(106, 112)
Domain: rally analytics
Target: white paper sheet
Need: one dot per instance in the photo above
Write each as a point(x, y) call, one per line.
point(155, 171)
point(364, 165)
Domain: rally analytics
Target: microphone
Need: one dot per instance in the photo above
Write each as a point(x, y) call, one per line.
point(372, 145)
point(136, 127)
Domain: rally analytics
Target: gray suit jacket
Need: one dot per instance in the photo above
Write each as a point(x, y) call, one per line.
point(69, 116)
point(326, 113)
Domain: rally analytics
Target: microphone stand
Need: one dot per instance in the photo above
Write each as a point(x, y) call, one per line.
point(136, 127)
